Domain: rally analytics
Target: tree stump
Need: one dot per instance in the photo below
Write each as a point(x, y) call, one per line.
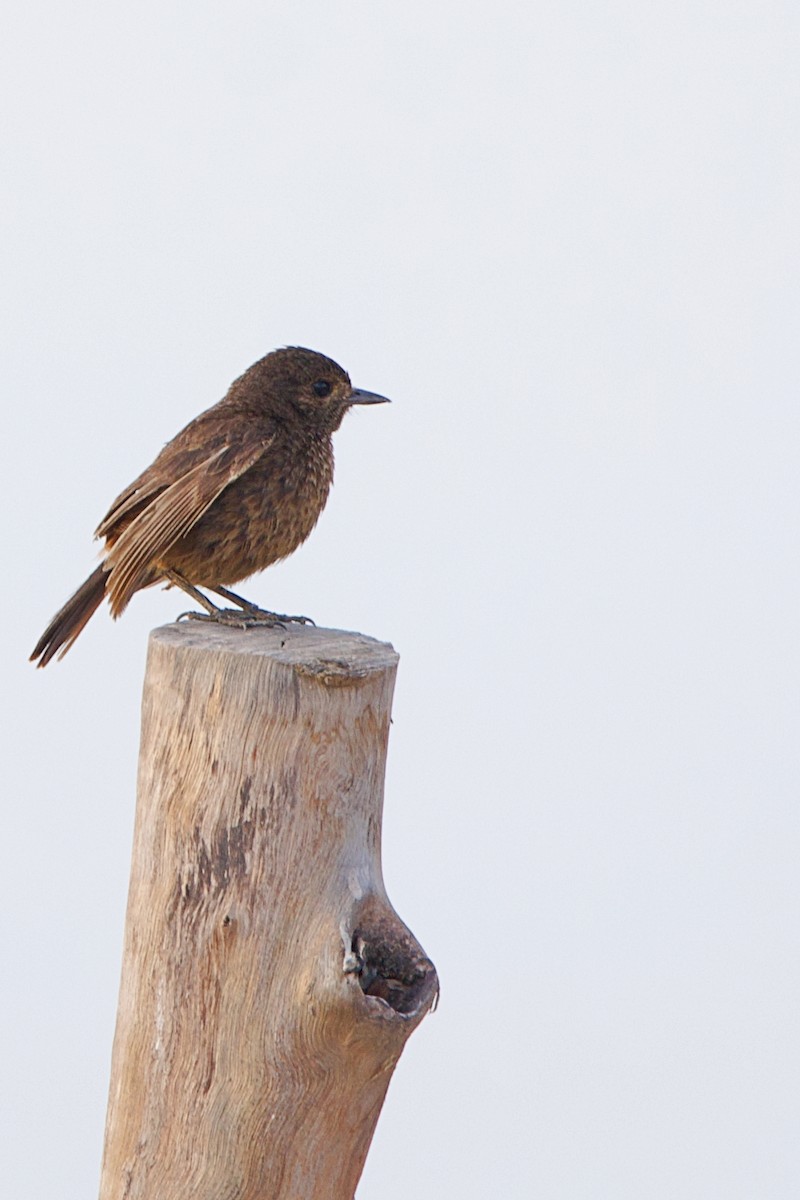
point(268, 987)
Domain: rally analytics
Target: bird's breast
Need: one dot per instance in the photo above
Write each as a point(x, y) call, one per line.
point(260, 518)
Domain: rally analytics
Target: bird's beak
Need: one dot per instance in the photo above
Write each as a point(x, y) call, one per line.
point(357, 396)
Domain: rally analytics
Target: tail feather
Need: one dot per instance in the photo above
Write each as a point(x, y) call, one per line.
point(70, 620)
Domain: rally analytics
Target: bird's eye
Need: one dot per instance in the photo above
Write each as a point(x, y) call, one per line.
point(322, 387)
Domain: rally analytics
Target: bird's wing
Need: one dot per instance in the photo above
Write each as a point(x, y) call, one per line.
point(129, 502)
point(202, 438)
point(167, 516)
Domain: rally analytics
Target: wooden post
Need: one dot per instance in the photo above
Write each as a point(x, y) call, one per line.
point(268, 987)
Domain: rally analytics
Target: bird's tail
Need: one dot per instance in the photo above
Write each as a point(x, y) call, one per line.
point(70, 620)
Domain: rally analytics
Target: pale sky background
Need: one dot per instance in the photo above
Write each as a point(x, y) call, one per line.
point(564, 238)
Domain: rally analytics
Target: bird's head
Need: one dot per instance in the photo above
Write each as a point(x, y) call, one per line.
point(299, 384)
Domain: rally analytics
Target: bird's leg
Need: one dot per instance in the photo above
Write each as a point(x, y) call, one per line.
point(221, 616)
point(178, 580)
point(254, 611)
point(244, 617)
point(240, 600)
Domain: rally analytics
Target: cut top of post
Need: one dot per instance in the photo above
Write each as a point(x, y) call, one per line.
point(334, 656)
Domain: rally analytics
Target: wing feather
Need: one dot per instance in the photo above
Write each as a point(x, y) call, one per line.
point(203, 437)
point(167, 517)
point(133, 498)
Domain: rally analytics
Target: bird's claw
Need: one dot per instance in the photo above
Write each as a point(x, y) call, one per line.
point(299, 620)
point(246, 617)
point(238, 619)
point(263, 616)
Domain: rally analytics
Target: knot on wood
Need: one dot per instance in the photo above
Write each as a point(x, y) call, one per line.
point(390, 965)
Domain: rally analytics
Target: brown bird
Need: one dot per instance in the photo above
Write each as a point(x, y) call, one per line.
point(240, 487)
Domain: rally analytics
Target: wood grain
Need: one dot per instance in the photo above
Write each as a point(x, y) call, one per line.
point(268, 987)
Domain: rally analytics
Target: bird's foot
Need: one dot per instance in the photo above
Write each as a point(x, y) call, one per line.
point(246, 618)
point(222, 616)
point(262, 616)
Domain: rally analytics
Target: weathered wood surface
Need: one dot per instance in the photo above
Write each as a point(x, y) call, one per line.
point(268, 987)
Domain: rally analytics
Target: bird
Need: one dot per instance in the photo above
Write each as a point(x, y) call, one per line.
point(239, 488)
